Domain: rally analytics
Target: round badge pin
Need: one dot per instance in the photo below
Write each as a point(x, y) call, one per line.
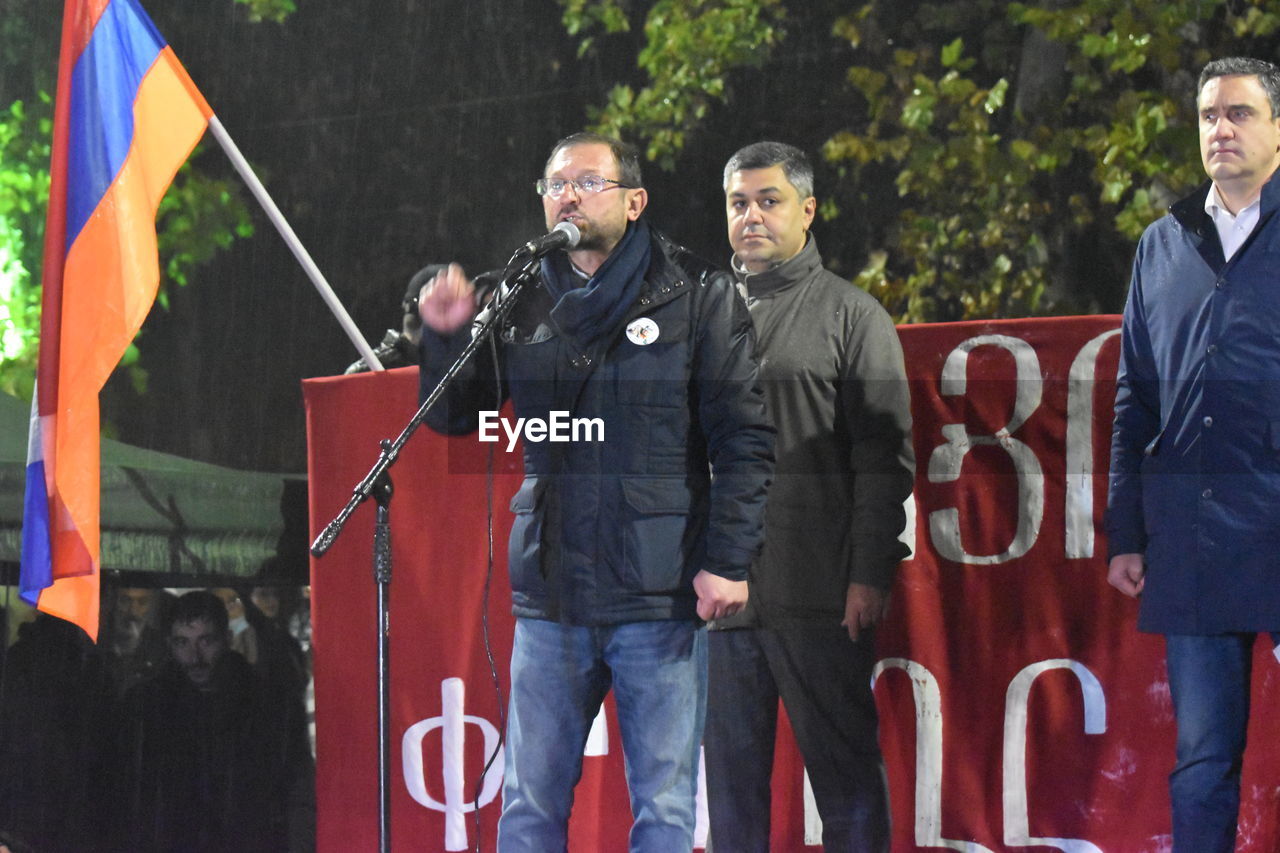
point(642, 332)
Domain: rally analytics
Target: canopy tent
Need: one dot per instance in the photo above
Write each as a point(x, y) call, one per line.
point(171, 520)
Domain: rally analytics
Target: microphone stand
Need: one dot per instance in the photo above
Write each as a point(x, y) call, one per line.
point(377, 484)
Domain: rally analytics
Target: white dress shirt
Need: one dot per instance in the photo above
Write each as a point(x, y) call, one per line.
point(1233, 229)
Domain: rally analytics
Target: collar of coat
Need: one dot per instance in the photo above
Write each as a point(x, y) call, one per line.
point(1189, 211)
point(761, 285)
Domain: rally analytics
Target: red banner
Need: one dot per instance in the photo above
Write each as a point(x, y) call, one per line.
point(1020, 706)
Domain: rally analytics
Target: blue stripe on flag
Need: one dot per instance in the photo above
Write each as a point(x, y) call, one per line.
point(104, 85)
point(37, 559)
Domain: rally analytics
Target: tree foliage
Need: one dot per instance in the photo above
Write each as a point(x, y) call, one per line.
point(269, 10)
point(1007, 154)
point(24, 187)
point(199, 215)
point(690, 48)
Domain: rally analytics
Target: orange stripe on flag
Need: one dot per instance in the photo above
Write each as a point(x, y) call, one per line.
point(112, 263)
point(110, 283)
point(74, 599)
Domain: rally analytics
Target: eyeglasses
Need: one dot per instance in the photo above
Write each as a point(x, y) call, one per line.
point(587, 184)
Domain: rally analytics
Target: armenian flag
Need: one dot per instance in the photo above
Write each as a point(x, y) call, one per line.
point(126, 118)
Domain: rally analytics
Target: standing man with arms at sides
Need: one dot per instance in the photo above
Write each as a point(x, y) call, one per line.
point(1193, 517)
point(832, 370)
point(619, 547)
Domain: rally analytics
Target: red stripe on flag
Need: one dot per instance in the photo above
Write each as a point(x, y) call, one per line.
point(79, 17)
point(78, 22)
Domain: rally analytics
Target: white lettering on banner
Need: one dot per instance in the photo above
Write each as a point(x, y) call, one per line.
point(598, 737)
point(452, 723)
point(947, 459)
point(928, 712)
point(701, 817)
point(1078, 516)
point(558, 428)
point(1017, 823)
point(812, 820)
point(928, 703)
point(908, 535)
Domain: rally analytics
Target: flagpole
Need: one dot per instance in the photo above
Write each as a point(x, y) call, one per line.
point(295, 245)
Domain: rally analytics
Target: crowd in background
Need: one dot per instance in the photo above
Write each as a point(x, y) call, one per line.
point(190, 721)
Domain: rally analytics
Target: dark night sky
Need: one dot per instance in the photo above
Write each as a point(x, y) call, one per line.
point(393, 134)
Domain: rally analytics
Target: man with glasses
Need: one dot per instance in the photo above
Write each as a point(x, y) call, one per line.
point(620, 547)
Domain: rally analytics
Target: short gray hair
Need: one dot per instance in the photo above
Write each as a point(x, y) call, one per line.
point(1245, 66)
point(761, 155)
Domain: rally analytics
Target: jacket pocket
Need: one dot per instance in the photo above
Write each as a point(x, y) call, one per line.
point(1156, 486)
point(1153, 446)
point(657, 538)
point(525, 545)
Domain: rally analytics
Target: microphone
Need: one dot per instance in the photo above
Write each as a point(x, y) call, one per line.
point(564, 236)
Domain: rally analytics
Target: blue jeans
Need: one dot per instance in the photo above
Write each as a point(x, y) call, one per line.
point(1209, 678)
point(559, 676)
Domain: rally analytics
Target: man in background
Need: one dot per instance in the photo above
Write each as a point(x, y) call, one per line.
point(210, 759)
point(133, 634)
point(833, 376)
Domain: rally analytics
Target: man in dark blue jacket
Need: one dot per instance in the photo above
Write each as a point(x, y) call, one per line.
point(637, 527)
point(1193, 517)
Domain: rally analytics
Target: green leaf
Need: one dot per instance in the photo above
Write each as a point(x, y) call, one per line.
point(951, 52)
point(995, 98)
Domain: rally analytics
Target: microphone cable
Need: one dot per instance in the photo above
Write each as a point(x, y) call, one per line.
point(497, 294)
point(484, 606)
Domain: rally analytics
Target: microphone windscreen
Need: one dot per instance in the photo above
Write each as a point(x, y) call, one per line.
point(571, 231)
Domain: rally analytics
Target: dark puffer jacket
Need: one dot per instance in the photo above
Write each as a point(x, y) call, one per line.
point(614, 531)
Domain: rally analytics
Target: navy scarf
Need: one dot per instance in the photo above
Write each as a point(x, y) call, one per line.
point(593, 311)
